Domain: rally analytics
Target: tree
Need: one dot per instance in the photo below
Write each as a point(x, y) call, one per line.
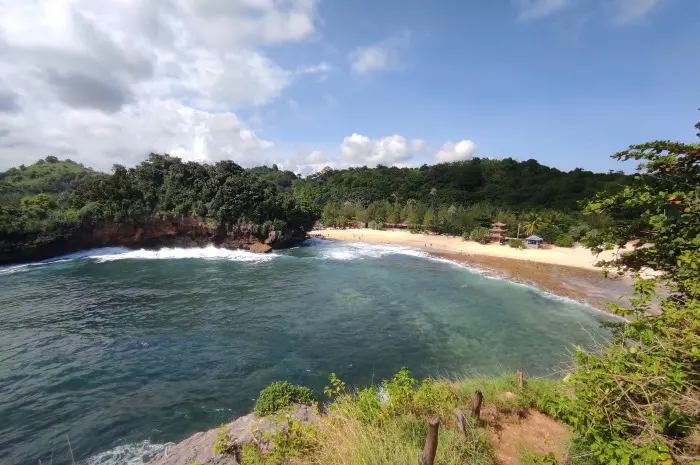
point(660, 211)
point(480, 234)
point(637, 400)
point(431, 220)
point(532, 221)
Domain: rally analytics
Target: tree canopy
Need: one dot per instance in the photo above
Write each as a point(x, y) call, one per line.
point(503, 183)
point(162, 186)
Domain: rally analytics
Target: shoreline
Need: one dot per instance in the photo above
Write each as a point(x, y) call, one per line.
point(585, 283)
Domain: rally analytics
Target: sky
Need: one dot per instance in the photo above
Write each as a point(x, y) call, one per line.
point(314, 83)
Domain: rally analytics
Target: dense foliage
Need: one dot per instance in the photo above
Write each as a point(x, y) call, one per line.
point(458, 198)
point(281, 394)
point(223, 193)
point(504, 183)
point(48, 176)
point(638, 400)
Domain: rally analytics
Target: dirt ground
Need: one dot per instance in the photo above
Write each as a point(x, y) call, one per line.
point(512, 435)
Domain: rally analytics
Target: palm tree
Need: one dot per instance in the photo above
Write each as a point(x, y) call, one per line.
point(532, 221)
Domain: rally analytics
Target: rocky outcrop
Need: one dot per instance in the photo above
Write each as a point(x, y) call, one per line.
point(149, 233)
point(244, 430)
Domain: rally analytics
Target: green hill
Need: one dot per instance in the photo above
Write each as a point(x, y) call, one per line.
point(504, 183)
point(47, 176)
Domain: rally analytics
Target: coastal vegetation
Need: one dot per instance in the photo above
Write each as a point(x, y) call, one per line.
point(223, 193)
point(461, 198)
point(65, 198)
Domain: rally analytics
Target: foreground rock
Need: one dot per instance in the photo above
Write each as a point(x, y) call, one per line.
point(148, 233)
point(244, 430)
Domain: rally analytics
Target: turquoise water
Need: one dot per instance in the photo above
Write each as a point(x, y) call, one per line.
point(124, 351)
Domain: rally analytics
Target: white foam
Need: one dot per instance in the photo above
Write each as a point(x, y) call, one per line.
point(13, 269)
point(360, 250)
point(90, 253)
point(203, 253)
point(128, 454)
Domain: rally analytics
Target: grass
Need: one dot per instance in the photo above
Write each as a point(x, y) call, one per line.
point(361, 429)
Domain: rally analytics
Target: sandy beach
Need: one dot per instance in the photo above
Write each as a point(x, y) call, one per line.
point(566, 272)
point(577, 257)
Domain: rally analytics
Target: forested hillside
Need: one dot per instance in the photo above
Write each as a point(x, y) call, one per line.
point(504, 183)
point(228, 202)
point(48, 176)
point(462, 197)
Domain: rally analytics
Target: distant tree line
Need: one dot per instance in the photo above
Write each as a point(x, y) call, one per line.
point(462, 198)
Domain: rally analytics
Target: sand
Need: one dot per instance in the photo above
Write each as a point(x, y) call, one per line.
point(577, 256)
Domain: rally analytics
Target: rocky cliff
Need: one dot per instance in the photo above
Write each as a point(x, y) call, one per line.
point(244, 430)
point(149, 233)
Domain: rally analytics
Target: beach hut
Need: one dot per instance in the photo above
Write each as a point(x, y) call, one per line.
point(534, 241)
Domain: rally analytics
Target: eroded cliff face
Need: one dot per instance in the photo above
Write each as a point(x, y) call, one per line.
point(149, 233)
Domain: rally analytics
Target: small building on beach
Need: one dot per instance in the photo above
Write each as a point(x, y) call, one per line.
point(497, 233)
point(534, 241)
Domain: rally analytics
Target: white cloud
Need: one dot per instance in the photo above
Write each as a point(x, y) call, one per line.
point(107, 81)
point(359, 150)
point(315, 157)
point(381, 56)
point(321, 68)
point(225, 22)
point(632, 10)
point(454, 152)
point(535, 9)
point(418, 145)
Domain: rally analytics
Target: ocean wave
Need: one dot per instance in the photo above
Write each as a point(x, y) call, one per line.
point(90, 253)
point(359, 250)
point(128, 454)
point(203, 253)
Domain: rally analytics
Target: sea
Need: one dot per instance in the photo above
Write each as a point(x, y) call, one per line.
point(108, 356)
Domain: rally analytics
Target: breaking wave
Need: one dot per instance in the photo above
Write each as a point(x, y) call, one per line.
point(360, 250)
point(203, 253)
point(127, 454)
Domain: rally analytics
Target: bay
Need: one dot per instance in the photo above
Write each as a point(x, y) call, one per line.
point(121, 351)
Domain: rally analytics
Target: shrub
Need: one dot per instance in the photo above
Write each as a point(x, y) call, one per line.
point(223, 443)
point(564, 241)
point(516, 243)
point(480, 234)
point(400, 390)
point(432, 397)
point(281, 394)
point(295, 439)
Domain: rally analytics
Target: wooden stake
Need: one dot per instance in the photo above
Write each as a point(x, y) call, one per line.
point(461, 421)
point(431, 442)
point(477, 399)
point(520, 378)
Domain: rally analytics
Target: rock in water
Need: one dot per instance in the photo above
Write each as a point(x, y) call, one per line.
point(259, 247)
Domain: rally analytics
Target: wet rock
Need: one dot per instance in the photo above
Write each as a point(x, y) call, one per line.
point(259, 247)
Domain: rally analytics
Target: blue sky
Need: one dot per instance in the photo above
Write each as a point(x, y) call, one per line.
point(314, 83)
